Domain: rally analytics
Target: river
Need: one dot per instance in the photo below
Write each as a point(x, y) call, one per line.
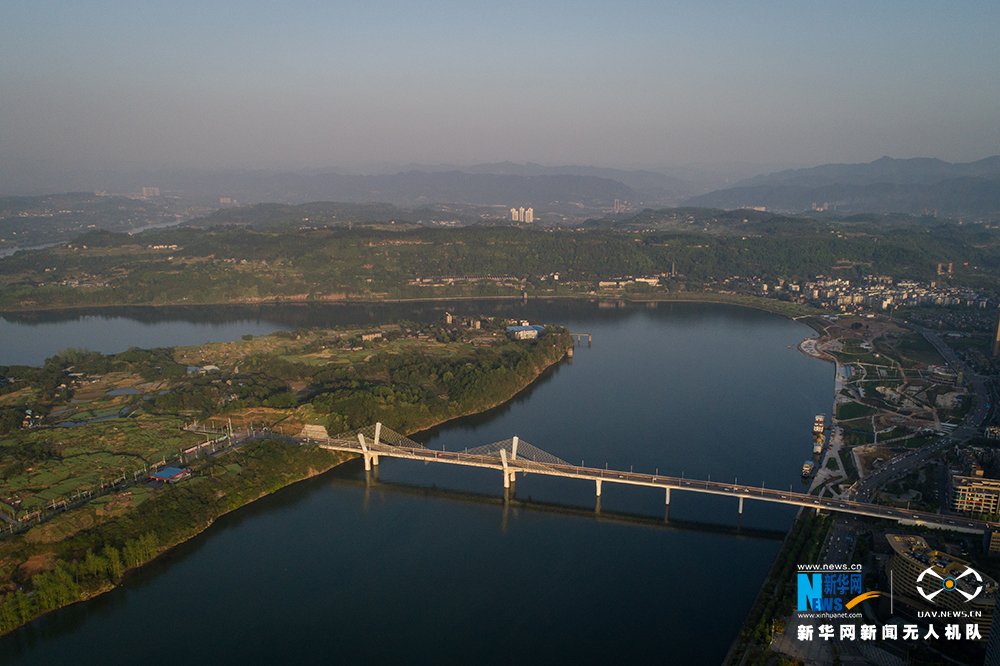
point(426, 564)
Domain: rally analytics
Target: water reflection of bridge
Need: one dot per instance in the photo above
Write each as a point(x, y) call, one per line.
point(515, 456)
point(513, 504)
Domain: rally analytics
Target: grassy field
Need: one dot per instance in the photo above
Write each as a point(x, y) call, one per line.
point(853, 410)
point(852, 351)
point(914, 347)
point(982, 343)
point(917, 442)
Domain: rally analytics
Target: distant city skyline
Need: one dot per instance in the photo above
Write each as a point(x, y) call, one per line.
point(105, 86)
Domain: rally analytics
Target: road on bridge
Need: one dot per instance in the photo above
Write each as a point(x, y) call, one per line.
point(510, 465)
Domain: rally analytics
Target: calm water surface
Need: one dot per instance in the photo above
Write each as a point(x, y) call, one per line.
point(426, 565)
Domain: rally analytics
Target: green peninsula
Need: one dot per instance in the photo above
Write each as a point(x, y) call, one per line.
point(80, 436)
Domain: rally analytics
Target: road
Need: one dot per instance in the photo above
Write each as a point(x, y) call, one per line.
point(666, 483)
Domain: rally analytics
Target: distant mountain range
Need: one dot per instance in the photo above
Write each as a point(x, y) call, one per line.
point(913, 186)
point(408, 189)
point(918, 170)
point(649, 186)
point(573, 193)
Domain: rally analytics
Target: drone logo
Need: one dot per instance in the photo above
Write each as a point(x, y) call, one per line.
point(949, 584)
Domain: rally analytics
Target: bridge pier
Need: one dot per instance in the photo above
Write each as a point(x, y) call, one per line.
point(371, 458)
point(741, 506)
point(668, 496)
point(598, 481)
point(364, 453)
point(378, 432)
point(508, 473)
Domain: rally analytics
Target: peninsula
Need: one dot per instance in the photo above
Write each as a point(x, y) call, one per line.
point(106, 464)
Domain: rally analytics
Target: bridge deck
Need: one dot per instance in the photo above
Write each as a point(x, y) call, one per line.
point(667, 483)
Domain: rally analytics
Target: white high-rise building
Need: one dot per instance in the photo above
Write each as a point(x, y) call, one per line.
point(522, 214)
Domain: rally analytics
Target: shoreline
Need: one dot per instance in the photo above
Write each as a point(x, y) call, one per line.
point(673, 297)
point(340, 458)
point(126, 573)
point(162, 550)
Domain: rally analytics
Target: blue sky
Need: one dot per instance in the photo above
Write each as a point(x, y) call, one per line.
point(630, 84)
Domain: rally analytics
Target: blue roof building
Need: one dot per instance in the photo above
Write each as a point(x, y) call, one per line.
point(170, 474)
point(526, 332)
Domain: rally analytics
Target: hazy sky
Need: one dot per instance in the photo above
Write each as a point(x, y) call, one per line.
point(297, 84)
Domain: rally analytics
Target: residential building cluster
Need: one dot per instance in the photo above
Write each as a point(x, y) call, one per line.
point(522, 214)
point(878, 292)
point(884, 293)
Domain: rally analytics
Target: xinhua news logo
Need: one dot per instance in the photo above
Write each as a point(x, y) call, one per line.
point(830, 592)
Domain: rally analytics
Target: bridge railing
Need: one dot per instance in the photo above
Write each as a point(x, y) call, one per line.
point(519, 465)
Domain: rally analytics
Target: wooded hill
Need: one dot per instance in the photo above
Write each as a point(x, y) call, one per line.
point(915, 186)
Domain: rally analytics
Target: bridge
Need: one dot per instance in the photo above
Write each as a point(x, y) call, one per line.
point(515, 456)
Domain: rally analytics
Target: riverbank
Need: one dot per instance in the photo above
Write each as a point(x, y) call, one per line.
point(85, 552)
point(95, 560)
point(774, 600)
point(787, 309)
